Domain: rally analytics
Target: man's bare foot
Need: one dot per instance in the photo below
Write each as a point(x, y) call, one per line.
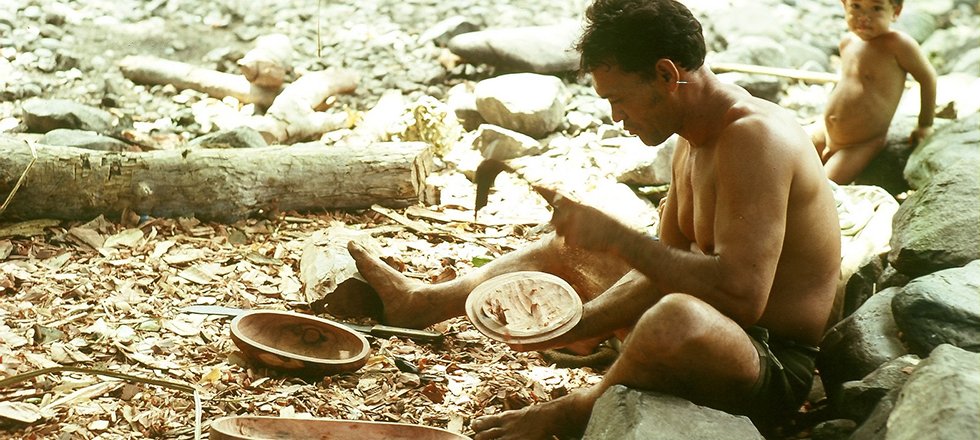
point(404, 304)
point(565, 416)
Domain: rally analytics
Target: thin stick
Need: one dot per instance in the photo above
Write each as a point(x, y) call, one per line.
point(319, 4)
point(20, 181)
point(802, 75)
point(13, 380)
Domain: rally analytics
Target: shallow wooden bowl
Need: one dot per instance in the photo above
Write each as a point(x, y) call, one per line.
point(524, 307)
point(299, 344)
point(262, 427)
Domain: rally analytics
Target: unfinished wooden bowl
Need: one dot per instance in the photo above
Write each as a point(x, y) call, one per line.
point(262, 427)
point(299, 344)
point(524, 307)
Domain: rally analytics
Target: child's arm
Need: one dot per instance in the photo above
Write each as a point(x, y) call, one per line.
point(911, 58)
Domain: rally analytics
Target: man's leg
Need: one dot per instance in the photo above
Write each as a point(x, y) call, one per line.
point(412, 303)
point(680, 346)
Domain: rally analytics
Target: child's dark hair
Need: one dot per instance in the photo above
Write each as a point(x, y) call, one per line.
point(634, 34)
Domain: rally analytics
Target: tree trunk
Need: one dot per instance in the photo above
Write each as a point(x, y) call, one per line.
point(216, 184)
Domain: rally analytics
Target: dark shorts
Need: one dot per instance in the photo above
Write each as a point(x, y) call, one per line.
point(785, 379)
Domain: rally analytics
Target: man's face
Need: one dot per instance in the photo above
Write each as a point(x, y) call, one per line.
point(637, 101)
point(869, 19)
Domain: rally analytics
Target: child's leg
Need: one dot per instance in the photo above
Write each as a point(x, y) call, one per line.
point(843, 165)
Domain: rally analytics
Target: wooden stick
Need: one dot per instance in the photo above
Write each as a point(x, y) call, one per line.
point(152, 70)
point(802, 75)
point(20, 181)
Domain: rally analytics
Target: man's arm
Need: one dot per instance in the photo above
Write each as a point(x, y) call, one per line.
point(753, 181)
point(912, 60)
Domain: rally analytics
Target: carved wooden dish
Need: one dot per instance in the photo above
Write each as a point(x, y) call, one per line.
point(299, 344)
point(263, 427)
point(524, 307)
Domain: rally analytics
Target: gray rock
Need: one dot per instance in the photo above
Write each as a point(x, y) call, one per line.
point(625, 414)
point(83, 139)
point(941, 308)
point(538, 49)
point(860, 343)
point(858, 398)
point(876, 426)
point(641, 164)
point(946, 47)
point(241, 137)
point(44, 115)
point(916, 22)
point(941, 400)
point(936, 227)
point(800, 55)
point(754, 49)
point(502, 144)
point(955, 143)
point(445, 30)
point(524, 102)
point(766, 87)
point(863, 284)
point(968, 63)
point(837, 429)
point(462, 101)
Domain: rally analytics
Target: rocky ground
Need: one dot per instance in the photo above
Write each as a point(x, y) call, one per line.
point(93, 294)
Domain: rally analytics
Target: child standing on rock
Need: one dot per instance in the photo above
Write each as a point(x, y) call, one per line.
point(874, 63)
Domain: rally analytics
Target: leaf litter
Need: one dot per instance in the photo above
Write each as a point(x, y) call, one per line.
point(108, 296)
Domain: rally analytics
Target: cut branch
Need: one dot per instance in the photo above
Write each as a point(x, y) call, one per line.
point(72, 183)
point(152, 70)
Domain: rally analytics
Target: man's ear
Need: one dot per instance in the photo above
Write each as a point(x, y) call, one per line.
point(898, 11)
point(667, 71)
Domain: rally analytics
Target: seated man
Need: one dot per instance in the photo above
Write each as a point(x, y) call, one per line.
point(725, 308)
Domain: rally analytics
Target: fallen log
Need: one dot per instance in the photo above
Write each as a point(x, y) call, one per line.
point(213, 184)
point(151, 70)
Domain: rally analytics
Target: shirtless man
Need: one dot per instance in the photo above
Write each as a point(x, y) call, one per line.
point(874, 61)
point(725, 308)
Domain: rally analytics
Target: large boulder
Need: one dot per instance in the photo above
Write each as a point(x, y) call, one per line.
point(956, 143)
point(860, 343)
point(941, 308)
point(941, 400)
point(936, 228)
point(524, 102)
point(44, 115)
point(625, 414)
point(538, 49)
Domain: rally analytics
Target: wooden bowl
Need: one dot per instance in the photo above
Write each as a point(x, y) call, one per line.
point(298, 344)
point(263, 427)
point(524, 307)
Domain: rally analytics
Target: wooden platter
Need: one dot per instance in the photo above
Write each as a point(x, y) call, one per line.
point(524, 307)
point(283, 428)
point(299, 344)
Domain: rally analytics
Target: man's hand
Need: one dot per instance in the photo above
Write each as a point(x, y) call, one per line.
point(919, 134)
point(581, 225)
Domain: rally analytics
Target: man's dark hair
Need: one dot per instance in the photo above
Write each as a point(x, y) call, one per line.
point(634, 34)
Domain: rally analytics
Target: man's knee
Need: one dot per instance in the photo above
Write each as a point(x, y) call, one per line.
point(676, 322)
